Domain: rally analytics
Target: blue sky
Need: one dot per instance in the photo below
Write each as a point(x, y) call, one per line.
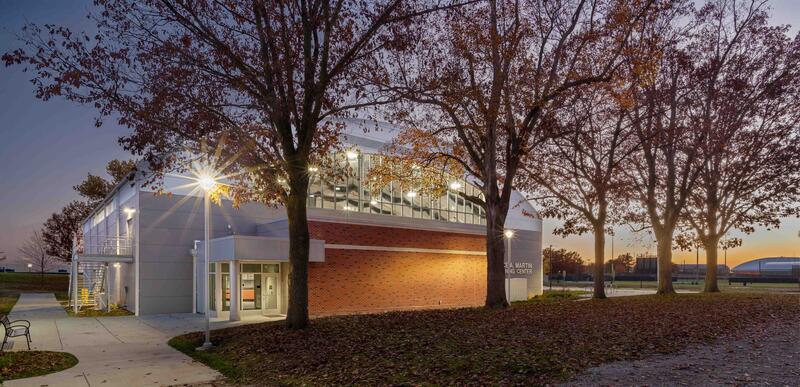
point(47, 147)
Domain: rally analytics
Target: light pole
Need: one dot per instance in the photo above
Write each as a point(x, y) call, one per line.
point(30, 265)
point(550, 268)
point(508, 234)
point(207, 183)
point(697, 267)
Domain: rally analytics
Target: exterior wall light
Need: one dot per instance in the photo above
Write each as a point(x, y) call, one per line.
point(455, 185)
point(351, 155)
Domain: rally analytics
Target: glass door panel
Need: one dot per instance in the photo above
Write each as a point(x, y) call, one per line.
point(269, 292)
point(250, 300)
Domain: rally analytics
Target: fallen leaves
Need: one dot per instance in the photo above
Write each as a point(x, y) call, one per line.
point(24, 364)
point(533, 343)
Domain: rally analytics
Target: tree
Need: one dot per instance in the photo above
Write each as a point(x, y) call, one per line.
point(578, 176)
point(557, 261)
point(62, 228)
point(748, 104)
point(34, 250)
point(249, 85)
point(480, 86)
point(666, 167)
point(621, 264)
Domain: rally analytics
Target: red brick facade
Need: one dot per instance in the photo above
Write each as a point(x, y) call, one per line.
point(361, 281)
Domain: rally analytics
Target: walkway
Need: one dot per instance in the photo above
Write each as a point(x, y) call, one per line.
point(112, 351)
point(615, 292)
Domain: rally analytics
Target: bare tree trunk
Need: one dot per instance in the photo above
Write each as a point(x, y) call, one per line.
point(495, 258)
point(665, 263)
point(296, 205)
point(711, 265)
point(599, 262)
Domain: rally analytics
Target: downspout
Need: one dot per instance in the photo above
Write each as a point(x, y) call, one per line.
point(194, 277)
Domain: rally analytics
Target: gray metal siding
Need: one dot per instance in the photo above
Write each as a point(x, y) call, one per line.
point(169, 225)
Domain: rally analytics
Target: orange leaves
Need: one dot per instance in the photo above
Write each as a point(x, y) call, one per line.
point(532, 343)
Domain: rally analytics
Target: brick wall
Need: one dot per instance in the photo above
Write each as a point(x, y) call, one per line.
point(359, 281)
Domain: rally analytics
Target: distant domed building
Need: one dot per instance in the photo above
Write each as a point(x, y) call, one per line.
point(770, 267)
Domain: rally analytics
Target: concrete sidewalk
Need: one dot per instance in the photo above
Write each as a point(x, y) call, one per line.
point(614, 292)
point(112, 351)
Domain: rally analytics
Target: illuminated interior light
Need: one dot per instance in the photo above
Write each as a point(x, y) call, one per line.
point(352, 155)
point(455, 185)
point(411, 194)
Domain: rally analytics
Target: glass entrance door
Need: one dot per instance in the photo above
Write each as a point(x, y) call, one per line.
point(269, 294)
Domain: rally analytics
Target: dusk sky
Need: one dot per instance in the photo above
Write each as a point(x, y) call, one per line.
point(47, 147)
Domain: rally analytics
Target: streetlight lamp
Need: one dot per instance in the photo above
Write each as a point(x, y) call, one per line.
point(30, 265)
point(508, 234)
point(207, 181)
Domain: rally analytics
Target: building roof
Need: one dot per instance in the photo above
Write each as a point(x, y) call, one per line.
point(768, 264)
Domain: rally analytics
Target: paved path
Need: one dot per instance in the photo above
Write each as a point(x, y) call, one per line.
point(760, 357)
point(112, 351)
point(615, 292)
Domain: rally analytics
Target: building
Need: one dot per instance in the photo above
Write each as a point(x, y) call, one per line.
point(369, 253)
point(769, 268)
point(646, 264)
point(690, 269)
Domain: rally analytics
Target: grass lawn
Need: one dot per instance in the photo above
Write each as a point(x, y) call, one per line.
point(25, 364)
point(687, 285)
point(7, 301)
point(32, 282)
point(530, 343)
point(12, 284)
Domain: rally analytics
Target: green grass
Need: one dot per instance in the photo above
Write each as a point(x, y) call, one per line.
point(7, 301)
point(556, 295)
point(26, 364)
point(687, 285)
point(208, 357)
point(32, 282)
point(12, 284)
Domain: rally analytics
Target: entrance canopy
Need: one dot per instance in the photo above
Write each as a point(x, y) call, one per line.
point(258, 248)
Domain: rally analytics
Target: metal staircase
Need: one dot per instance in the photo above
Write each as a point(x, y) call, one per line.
point(91, 285)
point(88, 286)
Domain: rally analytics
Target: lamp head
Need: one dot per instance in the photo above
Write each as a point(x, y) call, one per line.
point(508, 233)
point(206, 182)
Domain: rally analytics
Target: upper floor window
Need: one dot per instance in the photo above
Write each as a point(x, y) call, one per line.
point(352, 192)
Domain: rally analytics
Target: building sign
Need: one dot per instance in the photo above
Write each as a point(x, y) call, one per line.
point(525, 255)
point(516, 268)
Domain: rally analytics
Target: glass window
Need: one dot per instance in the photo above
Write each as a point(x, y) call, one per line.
point(212, 295)
point(251, 290)
point(350, 191)
point(251, 268)
point(226, 292)
point(271, 268)
point(226, 267)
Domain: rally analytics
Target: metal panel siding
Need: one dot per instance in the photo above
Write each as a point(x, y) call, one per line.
point(169, 225)
point(168, 270)
point(159, 305)
point(166, 288)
